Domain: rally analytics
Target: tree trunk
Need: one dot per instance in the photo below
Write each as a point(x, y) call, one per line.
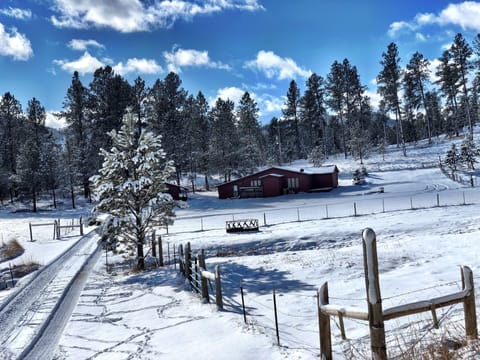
point(34, 199)
point(54, 198)
point(140, 256)
point(207, 185)
point(72, 195)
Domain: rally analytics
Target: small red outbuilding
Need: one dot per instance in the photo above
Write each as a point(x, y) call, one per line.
point(276, 181)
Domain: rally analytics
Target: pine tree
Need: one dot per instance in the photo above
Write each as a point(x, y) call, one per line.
point(449, 79)
point(274, 142)
point(461, 53)
point(336, 100)
point(250, 137)
point(78, 135)
point(11, 125)
point(130, 184)
point(109, 97)
point(415, 80)
point(452, 158)
point(469, 153)
point(388, 81)
point(29, 162)
point(313, 115)
point(11, 138)
point(291, 112)
point(165, 117)
point(224, 151)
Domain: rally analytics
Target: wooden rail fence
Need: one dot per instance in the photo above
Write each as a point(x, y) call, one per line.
point(57, 227)
point(376, 316)
point(195, 271)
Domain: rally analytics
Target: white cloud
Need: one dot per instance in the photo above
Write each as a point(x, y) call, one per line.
point(274, 66)
point(139, 66)
point(82, 45)
point(85, 64)
point(88, 64)
point(434, 64)
point(375, 99)
point(54, 121)
point(230, 93)
point(136, 15)
point(180, 58)
point(22, 14)
point(465, 14)
point(14, 44)
point(398, 26)
point(420, 37)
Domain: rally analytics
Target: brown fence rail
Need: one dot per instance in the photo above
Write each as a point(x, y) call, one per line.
point(195, 271)
point(376, 316)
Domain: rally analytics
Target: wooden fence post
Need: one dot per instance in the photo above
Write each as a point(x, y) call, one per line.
point(174, 258)
point(324, 324)
point(160, 251)
point(243, 302)
point(276, 316)
point(154, 249)
point(188, 258)
point(181, 260)
point(218, 288)
point(374, 300)
point(31, 234)
point(81, 226)
point(201, 262)
point(469, 304)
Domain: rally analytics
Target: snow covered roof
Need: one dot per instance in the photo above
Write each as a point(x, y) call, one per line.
point(272, 174)
point(329, 169)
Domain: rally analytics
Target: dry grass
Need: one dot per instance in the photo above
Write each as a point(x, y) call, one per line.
point(11, 250)
point(419, 343)
point(25, 268)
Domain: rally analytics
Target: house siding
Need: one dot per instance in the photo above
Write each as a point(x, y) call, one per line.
point(275, 181)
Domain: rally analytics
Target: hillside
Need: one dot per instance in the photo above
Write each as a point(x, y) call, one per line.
point(420, 246)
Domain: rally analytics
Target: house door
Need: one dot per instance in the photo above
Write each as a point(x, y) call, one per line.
point(235, 190)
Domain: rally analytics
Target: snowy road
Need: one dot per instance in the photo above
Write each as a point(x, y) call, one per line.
point(26, 313)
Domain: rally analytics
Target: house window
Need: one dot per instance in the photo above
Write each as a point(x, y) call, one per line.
point(256, 183)
point(293, 183)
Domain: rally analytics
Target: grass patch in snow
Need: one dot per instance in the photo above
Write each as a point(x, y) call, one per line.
point(10, 250)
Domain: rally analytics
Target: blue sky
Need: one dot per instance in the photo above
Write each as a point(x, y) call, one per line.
point(221, 47)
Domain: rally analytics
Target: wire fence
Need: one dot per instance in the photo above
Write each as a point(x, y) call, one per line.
point(373, 203)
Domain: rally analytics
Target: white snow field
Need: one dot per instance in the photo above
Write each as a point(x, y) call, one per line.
point(426, 225)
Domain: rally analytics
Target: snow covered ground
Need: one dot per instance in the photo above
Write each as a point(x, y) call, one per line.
point(308, 239)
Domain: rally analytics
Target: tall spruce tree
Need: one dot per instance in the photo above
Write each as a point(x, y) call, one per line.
point(416, 79)
point(461, 53)
point(130, 185)
point(11, 128)
point(79, 135)
point(224, 151)
point(109, 97)
point(165, 117)
point(249, 134)
point(291, 113)
point(29, 160)
point(389, 83)
point(449, 80)
point(313, 114)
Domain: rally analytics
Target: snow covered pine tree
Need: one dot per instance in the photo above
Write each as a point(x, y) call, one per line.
point(130, 185)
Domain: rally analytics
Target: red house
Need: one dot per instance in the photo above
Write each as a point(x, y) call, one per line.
point(276, 181)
